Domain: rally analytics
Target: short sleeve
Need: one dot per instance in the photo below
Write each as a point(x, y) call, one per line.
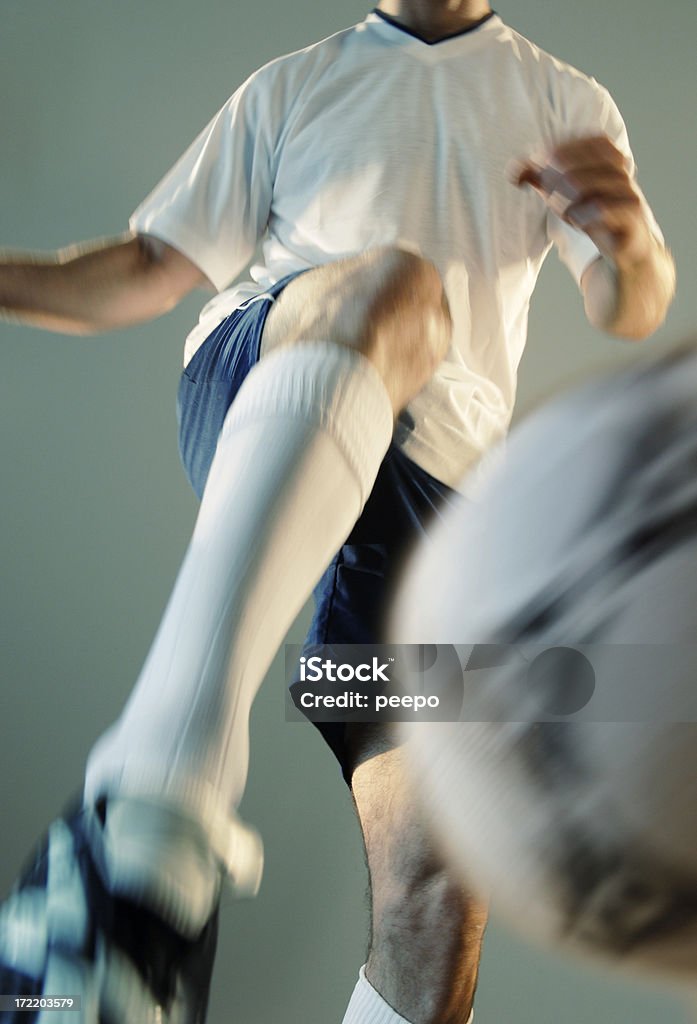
point(591, 112)
point(214, 204)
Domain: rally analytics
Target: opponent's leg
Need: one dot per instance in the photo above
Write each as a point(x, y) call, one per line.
point(426, 929)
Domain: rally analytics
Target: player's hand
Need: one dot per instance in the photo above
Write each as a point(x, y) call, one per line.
point(587, 183)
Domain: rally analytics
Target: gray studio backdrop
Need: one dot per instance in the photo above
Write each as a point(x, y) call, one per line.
point(96, 101)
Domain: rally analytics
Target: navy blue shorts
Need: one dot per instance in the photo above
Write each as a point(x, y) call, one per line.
point(353, 595)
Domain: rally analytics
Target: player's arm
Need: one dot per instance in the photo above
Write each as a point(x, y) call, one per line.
point(588, 183)
point(96, 286)
point(630, 298)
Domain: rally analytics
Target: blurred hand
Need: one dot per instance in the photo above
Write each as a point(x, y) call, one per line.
point(587, 183)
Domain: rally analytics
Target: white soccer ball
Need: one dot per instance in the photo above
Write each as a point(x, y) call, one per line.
point(571, 798)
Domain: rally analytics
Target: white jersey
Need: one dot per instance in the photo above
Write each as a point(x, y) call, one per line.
point(374, 136)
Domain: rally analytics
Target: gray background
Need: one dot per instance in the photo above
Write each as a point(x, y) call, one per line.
point(96, 101)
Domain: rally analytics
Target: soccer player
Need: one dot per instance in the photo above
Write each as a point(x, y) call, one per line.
point(327, 409)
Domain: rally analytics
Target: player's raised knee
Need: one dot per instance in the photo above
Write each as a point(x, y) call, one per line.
point(411, 280)
point(408, 321)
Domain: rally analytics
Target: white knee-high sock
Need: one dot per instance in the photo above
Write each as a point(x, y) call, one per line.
point(367, 1006)
point(296, 460)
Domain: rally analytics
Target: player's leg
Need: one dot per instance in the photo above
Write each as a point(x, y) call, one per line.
point(387, 304)
point(295, 462)
point(426, 929)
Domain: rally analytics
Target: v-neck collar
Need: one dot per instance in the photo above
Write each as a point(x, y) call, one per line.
point(389, 20)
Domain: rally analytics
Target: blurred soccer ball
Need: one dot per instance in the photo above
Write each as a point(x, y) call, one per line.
point(581, 824)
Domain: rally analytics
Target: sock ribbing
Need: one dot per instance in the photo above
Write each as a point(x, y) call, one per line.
point(368, 1007)
point(332, 386)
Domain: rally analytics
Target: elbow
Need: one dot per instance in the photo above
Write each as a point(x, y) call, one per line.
point(635, 325)
point(638, 324)
point(631, 304)
point(654, 299)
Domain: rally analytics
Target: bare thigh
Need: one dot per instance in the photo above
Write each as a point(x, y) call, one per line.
point(387, 303)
